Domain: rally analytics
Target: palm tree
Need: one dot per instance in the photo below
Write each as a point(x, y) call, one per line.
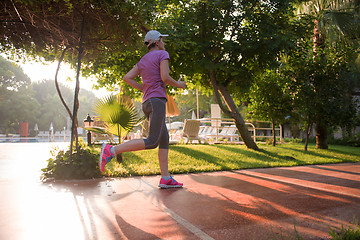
point(332, 19)
point(119, 115)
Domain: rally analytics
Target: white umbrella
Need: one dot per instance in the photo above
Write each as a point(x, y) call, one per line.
point(51, 129)
point(193, 116)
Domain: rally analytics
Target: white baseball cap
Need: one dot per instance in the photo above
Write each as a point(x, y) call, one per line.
point(152, 36)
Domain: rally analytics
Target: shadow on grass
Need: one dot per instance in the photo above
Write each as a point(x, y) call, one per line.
point(312, 152)
point(131, 163)
point(244, 158)
point(208, 158)
point(264, 156)
point(130, 158)
point(202, 156)
point(335, 149)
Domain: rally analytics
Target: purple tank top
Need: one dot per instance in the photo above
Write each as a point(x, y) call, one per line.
point(149, 68)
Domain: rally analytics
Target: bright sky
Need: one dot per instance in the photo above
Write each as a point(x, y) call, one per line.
point(38, 71)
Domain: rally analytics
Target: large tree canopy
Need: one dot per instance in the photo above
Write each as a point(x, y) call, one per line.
point(228, 44)
point(332, 21)
point(220, 45)
point(11, 76)
point(44, 27)
point(76, 31)
point(232, 39)
point(35, 103)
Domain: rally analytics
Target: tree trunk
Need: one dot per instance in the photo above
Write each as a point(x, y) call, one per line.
point(273, 130)
point(59, 92)
point(308, 130)
point(321, 129)
point(321, 136)
point(232, 111)
point(57, 84)
point(318, 38)
point(77, 88)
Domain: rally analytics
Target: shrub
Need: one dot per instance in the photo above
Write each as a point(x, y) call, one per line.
point(353, 141)
point(83, 165)
point(296, 140)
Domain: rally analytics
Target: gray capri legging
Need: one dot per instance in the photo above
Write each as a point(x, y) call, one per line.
point(155, 110)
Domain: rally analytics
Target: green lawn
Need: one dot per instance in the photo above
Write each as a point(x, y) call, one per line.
point(206, 158)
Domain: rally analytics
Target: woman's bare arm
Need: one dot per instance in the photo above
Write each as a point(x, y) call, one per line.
point(165, 76)
point(131, 75)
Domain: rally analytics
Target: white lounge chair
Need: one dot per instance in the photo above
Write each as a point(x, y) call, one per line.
point(191, 130)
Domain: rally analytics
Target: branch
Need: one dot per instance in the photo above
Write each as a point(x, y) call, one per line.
point(57, 84)
point(17, 12)
point(217, 94)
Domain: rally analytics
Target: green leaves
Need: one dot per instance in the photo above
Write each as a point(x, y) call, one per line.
point(119, 114)
point(46, 27)
point(270, 100)
point(12, 77)
point(84, 165)
point(236, 40)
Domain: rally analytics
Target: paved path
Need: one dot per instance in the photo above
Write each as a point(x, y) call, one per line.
point(245, 204)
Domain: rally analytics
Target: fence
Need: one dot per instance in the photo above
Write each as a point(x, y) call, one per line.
point(220, 128)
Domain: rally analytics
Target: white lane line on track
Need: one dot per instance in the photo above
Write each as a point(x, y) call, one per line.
point(192, 228)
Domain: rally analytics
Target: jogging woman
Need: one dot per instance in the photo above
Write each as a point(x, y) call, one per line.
point(155, 74)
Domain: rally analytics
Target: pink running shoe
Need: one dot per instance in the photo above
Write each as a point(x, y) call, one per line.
point(105, 156)
point(171, 183)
